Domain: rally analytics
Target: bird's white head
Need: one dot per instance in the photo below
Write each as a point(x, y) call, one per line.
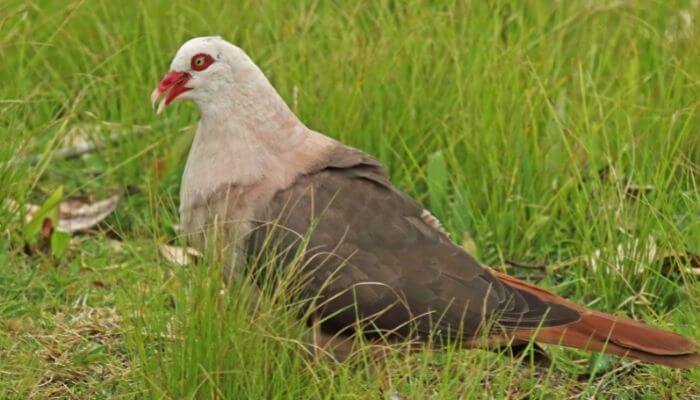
point(208, 70)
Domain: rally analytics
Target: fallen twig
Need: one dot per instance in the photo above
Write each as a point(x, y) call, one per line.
point(667, 259)
point(77, 142)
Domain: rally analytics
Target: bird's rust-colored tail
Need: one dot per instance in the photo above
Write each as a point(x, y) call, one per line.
point(597, 331)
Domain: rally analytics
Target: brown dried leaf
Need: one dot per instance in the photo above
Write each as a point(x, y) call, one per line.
point(78, 215)
point(181, 256)
point(75, 214)
point(46, 228)
point(99, 284)
point(672, 260)
point(159, 166)
point(86, 138)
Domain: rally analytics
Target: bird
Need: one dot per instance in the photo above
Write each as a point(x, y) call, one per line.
point(379, 264)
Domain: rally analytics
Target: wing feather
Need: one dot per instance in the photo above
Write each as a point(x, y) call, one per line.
point(391, 265)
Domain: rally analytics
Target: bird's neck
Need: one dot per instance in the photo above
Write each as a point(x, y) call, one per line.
point(252, 138)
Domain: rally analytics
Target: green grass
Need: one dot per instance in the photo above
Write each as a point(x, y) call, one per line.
point(499, 116)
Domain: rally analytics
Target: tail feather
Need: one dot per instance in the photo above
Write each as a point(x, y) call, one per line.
point(600, 332)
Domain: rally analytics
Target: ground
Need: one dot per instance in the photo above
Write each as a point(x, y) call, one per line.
point(556, 140)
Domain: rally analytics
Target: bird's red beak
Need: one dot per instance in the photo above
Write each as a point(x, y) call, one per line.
point(171, 86)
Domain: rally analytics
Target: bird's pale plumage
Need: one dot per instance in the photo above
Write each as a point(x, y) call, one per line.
point(375, 257)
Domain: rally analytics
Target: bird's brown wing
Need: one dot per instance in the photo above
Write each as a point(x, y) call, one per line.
point(372, 256)
point(375, 259)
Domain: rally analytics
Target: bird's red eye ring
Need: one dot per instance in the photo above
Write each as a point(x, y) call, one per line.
point(201, 61)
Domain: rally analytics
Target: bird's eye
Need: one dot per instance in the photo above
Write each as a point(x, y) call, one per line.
point(201, 61)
